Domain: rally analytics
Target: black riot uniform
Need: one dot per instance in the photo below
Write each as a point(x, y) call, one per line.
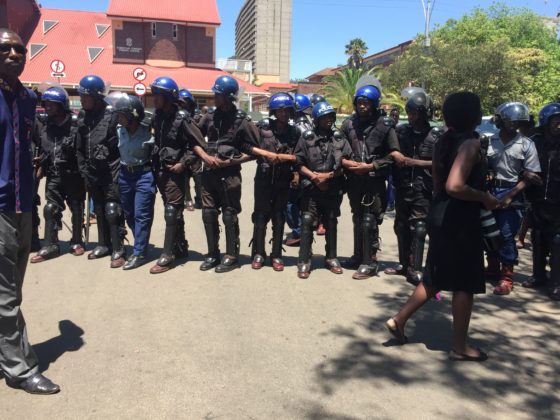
point(413, 187)
point(545, 202)
point(229, 135)
point(99, 162)
point(321, 153)
point(372, 142)
point(272, 189)
point(176, 135)
point(64, 184)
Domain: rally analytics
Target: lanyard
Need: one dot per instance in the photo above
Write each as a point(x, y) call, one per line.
point(15, 118)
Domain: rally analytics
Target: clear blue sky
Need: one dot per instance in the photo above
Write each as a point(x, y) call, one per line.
point(321, 28)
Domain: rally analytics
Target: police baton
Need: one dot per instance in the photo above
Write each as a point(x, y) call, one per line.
point(87, 224)
point(226, 194)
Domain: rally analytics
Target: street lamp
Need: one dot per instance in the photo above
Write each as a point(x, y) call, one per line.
point(428, 7)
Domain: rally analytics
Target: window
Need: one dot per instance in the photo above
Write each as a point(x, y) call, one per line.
point(154, 30)
point(175, 32)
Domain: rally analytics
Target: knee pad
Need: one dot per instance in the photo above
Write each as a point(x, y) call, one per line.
point(113, 211)
point(368, 221)
point(229, 216)
point(171, 214)
point(260, 219)
point(279, 217)
point(49, 211)
point(307, 219)
point(209, 215)
point(420, 229)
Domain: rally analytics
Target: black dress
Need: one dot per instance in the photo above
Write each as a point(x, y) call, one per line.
point(455, 260)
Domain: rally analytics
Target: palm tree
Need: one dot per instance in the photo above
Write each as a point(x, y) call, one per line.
point(355, 49)
point(341, 87)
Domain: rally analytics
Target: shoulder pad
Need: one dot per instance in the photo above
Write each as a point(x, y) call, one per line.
point(308, 134)
point(264, 124)
point(182, 114)
point(241, 114)
point(388, 122)
point(437, 132)
point(337, 135)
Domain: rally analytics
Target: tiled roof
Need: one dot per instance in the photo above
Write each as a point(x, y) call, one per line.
point(82, 41)
point(201, 11)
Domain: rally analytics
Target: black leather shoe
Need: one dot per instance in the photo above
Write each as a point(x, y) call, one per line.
point(228, 263)
point(99, 251)
point(209, 263)
point(134, 261)
point(36, 384)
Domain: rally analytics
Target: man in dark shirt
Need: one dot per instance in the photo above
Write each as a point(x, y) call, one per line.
point(178, 139)
point(544, 195)
point(319, 154)
point(18, 361)
point(372, 138)
point(231, 140)
point(64, 184)
point(412, 177)
point(99, 162)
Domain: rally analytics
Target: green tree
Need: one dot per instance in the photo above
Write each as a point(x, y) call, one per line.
point(341, 87)
point(501, 54)
point(355, 50)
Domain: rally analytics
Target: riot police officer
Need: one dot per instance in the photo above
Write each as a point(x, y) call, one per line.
point(510, 155)
point(64, 183)
point(412, 177)
point(303, 123)
point(544, 194)
point(372, 138)
point(187, 103)
point(231, 140)
point(319, 155)
point(177, 140)
point(273, 178)
point(98, 159)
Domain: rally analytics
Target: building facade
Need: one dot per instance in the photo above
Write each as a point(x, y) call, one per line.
point(263, 32)
point(173, 38)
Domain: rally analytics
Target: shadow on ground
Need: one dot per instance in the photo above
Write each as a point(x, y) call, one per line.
point(523, 361)
point(69, 339)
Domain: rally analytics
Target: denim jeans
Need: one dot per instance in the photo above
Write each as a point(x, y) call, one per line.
point(138, 194)
point(293, 214)
point(509, 222)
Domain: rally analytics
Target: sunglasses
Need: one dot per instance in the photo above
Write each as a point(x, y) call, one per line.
point(6, 48)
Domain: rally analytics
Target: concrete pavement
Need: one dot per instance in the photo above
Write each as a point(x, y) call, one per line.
point(266, 345)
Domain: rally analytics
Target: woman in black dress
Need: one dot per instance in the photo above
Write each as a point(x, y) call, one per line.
point(455, 255)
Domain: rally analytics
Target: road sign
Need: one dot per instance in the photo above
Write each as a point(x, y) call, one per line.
point(57, 66)
point(140, 74)
point(53, 74)
point(140, 89)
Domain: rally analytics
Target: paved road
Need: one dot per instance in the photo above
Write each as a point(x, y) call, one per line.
point(266, 345)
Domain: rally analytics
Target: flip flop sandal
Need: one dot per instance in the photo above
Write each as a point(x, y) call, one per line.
point(461, 357)
point(394, 329)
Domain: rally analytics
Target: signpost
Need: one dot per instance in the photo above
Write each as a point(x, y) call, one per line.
point(58, 67)
point(140, 89)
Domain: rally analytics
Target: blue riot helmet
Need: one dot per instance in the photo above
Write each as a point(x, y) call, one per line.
point(548, 111)
point(370, 93)
point(167, 87)
point(321, 109)
point(58, 95)
point(129, 105)
point(302, 103)
point(316, 98)
point(92, 85)
point(186, 97)
point(280, 100)
point(227, 86)
point(421, 103)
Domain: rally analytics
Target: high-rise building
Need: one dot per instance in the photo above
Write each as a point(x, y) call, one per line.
point(263, 33)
